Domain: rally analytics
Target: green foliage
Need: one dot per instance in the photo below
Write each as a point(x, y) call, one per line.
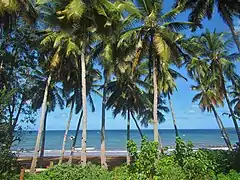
point(76, 172)
point(222, 160)
point(236, 161)
point(121, 173)
point(147, 164)
point(9, 166)
point(182, 151)
point(168, 169)
point(198, 166)
point(232, 175)
point(143, 162)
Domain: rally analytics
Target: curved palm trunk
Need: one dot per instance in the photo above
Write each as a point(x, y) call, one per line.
point(39, 136)
point(103, 144)
point(139, 130)
point(234, 33)
point(128, 136)
point(84, 106)
point(43, 139)
point(75, 139)
point(173, 115)
point(65, 134)
point(222, 129)
point(230, 109)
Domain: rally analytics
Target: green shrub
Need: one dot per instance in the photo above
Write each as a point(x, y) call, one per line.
point(76, 172)
point(221, 160)
point(168, 169)
point(196, 164)
point(9, 166)
point(143, 163)
point(121, 173)
point(236, 161)
point(232, 175)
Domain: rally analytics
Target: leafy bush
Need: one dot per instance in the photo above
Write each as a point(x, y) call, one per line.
point(148, 164)
point(121, 173)
point(168, 169)
point(9, 166)
point(196, 164)
point(232, 175)
point(143, 163)
point(221, 160)
point(236, 161)
point(76, 172)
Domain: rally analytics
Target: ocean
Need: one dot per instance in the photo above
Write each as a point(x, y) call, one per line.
point(116, 139)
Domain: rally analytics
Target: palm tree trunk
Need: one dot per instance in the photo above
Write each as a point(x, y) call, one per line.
point(155, 103)
point(139, 130)
point(173, 115)
point(103, 144)
point(128, 137)
point(222, 129)
point(84, 106)
point(155, 92)
point(39, 136)
point(230, 108)
point(43, 139)
point(75, 139)
point(234, 33)
point(65, 134)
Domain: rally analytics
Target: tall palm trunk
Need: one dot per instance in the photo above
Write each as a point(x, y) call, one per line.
point(128, 137)
point(39, 136)
point(65, 134)
point(222, 129)
point(43, 139)
point(230, 108)
point(84, 106)
point(103, 144)
point(136, 123)
point(155, 103)
point(155, 91)
point(173, 115)
point(233, 31)
point(75, 139)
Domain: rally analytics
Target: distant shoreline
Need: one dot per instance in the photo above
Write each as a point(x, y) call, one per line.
point(56, 153)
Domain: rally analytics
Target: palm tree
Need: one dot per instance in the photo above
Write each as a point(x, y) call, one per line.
point(54, 98)
point(127, 97)
point(201, 9)
point(213, 49)
point(65, 134)
point(235, 94)
point(56, 45)
point(71, 84)
point(92, 17)
point(10, 10)
point(209, 97)
point(167, 86)
point(157, 34)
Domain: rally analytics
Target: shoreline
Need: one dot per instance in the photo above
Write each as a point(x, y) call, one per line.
point(92, 152)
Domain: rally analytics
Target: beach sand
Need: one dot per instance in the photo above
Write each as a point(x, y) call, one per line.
point(112, 161)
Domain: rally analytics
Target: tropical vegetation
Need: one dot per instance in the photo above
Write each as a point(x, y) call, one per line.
point(57, 54)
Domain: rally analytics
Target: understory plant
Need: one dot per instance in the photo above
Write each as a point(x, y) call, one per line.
point(184, 163)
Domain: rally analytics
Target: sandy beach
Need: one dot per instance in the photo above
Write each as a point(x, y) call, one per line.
point(112, 161)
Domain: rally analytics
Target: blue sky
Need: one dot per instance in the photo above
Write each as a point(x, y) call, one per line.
point(188, 115)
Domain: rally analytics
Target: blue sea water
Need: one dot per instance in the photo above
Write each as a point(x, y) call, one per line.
point(116, 139)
